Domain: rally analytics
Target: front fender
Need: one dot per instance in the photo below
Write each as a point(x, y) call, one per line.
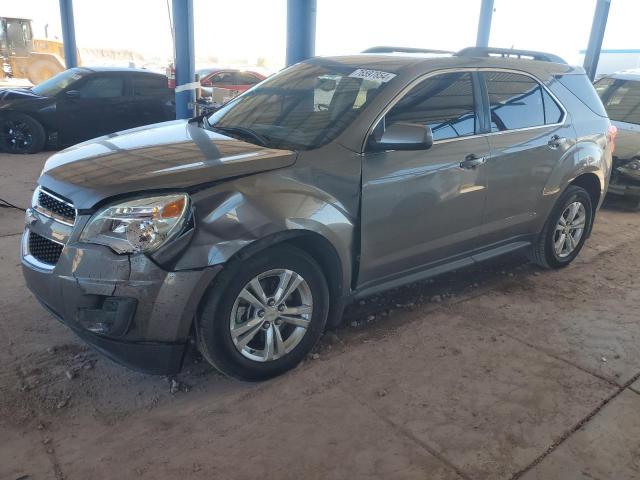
point(237, 214)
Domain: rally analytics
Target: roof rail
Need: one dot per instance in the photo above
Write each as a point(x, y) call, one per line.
point(509, 52)
point(387, 49)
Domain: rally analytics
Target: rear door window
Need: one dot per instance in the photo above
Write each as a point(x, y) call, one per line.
point(516, 101)
point(443, 102)
point(621, 98)
point(148, 85)
point(552, 112)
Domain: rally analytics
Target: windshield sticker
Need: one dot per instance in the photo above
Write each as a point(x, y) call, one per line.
point(373, 75)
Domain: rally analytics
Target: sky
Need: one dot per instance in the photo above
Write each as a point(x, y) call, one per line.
point(249, 30)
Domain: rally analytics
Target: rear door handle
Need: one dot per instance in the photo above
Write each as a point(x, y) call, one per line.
point(472, 161)
point(556, 141)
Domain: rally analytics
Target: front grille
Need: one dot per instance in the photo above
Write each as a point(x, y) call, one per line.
point(60, 209)
point(43, 249)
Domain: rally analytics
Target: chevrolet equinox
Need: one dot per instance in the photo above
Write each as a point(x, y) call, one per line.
point(248, 230)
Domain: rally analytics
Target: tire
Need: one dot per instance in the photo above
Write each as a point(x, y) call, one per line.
point(42, 70)
point(544, 251)
point(20, 133)
point(223, 303)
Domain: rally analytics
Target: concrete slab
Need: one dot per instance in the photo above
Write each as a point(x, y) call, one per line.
point(24, 454)
point(18, 175)
point(607, 447)
point(485, 402)
point(11, 280)
point(324, 439)
point(636, 386)
point(480, 384)
point(580, 314)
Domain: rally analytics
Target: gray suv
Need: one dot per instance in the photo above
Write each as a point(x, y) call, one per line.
point(249, 230)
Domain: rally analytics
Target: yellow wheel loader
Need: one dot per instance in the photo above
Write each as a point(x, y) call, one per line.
point(25, 57)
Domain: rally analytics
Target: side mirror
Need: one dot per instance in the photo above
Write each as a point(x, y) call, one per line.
point(403, 136)
point(72, 94)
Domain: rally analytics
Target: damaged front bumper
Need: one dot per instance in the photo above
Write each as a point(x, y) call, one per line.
point(125, 306)
point(625, 179)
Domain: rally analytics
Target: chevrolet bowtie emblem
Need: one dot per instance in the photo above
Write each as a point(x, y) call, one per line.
point(30, 216)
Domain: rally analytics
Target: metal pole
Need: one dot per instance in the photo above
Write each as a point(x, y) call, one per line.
point(592, 55)
point(301, 30)
point(184, 62)
point(484, 23)
point(68, 33)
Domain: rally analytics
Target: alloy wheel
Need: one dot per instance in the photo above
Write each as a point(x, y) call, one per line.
point(569, 229)
point(16, 136)
point(271, 315)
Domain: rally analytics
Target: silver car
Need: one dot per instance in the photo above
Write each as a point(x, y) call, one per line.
point(620, 94)
point(250, 229)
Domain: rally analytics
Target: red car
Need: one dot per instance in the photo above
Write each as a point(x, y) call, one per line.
point(230, 79)
point(221, 85)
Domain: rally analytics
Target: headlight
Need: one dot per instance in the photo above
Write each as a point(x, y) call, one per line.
point(139, 225)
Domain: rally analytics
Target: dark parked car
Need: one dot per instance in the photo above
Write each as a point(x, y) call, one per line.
point(620, 94)
point(248, 230)
point(79, 104)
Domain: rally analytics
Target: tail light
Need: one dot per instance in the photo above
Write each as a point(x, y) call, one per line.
point(170, 71)
point(611, 134)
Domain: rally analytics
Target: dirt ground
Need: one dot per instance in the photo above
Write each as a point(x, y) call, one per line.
point(503, 371)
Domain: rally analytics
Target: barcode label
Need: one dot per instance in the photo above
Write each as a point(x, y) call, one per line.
point(373, 75)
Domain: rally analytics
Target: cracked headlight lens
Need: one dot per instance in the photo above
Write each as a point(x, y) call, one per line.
point(139, 225)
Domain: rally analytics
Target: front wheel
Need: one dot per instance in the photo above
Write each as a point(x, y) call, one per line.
point(565, 230)
point(20, 133)
point(263, 314)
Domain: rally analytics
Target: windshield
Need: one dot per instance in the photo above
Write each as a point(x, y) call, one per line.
point(621, 98)
point(59, 82)
point(304, 106)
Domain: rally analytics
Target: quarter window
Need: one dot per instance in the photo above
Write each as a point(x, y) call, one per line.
point(515, 100)
point(443, 102)
point(245, 78)
point(223, 79)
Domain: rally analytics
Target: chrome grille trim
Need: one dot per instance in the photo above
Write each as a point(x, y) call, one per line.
point(68, 219)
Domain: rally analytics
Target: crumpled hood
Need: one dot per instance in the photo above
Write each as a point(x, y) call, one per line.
point(172, 155)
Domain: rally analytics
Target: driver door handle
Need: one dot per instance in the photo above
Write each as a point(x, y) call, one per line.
point(472, 161)
point(556, 141)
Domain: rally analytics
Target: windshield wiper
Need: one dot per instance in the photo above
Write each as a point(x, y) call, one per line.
point(243, 132)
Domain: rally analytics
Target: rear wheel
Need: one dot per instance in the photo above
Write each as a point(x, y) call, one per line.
point(42, 70)
point(565, 230)
point(20, 133)
point(264, 314)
